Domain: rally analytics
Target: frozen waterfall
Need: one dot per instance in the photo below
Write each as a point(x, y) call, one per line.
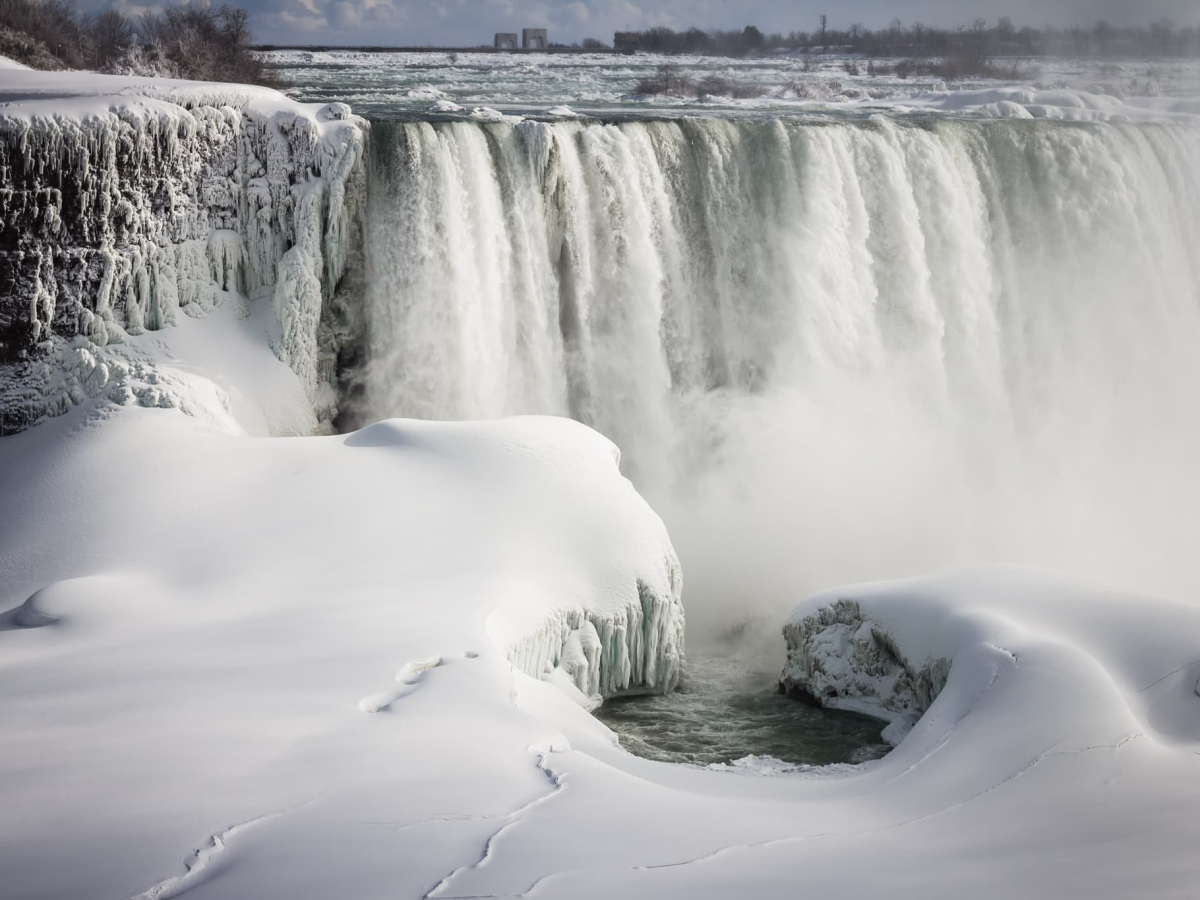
point(900, 343)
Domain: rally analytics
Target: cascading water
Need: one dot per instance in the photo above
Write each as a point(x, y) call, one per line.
point(830, 350)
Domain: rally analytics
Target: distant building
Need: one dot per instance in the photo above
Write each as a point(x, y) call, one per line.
point(506, 41)
point(534, 39)
point(626, 41)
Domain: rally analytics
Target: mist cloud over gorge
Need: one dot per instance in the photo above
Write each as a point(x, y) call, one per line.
point(472, 22)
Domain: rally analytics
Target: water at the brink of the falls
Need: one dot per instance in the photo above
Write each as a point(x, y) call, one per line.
point(726, 709)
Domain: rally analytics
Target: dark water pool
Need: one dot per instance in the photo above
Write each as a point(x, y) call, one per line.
point(726, 710)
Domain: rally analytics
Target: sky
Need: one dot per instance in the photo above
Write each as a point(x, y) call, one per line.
point(473, 22)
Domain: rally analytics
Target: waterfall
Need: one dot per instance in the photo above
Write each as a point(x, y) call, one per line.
point(832, 349)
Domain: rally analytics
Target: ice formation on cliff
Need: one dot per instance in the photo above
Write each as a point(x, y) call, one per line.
point(118, 212)
point(637, 646)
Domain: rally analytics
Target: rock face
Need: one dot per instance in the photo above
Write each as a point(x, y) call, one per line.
point(839, 658)
point(114, 221)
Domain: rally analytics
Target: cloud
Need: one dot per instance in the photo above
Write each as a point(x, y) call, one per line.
point(473, 22)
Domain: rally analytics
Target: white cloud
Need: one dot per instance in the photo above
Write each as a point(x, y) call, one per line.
point(472, 22)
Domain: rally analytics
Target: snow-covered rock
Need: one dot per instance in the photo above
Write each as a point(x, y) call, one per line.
point(840, 658)
point(898, 650)
point(127, 201)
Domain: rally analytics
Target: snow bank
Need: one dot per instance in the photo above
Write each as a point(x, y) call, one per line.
point(276, 592)
point(894, 649)
point(305, 668)
point(127, 201)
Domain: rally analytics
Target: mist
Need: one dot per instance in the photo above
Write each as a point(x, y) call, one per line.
point(893, 352)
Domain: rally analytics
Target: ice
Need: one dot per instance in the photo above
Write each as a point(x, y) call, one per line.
point(462, 539)
point(600, 85)
point(840, 658)
point(900, 649)
point(639, 644)
point(137, 199)
point(360, 665)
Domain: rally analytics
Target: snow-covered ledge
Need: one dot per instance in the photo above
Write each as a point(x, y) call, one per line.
point(127, 201)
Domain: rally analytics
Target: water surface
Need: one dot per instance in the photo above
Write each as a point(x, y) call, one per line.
point(725, 710)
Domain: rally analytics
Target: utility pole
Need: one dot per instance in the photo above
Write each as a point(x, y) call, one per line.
point(824, 19)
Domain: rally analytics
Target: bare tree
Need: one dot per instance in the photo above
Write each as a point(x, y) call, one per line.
point(112, 36)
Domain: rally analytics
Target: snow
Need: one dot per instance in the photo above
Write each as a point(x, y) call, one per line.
point(135, 199)
point(361, 665)
point(1139, 655)
point(600, 85)
point(224, 647)
point(354, 666)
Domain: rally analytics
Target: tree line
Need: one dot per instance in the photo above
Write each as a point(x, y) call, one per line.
point(189, 40)
point(979, 39)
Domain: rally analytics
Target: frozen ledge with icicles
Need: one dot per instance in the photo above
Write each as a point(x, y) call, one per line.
point(133, 203)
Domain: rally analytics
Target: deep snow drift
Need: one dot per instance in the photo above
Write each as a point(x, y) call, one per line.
point(292, 668)
point(220, 668)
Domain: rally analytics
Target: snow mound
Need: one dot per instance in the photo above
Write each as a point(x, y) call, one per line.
point(935, 646)
point(488, 114)
point(445, 106)
point(412, 570)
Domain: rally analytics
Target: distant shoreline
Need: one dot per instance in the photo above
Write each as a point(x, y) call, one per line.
point(322, 48)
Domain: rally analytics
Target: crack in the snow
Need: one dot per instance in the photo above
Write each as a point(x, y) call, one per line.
point(203, 856)
point(812, 837)
point(1165, 677)
point(997, 673)
point(510, 819)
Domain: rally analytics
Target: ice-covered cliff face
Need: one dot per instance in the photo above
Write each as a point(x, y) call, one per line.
point(116, 217)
